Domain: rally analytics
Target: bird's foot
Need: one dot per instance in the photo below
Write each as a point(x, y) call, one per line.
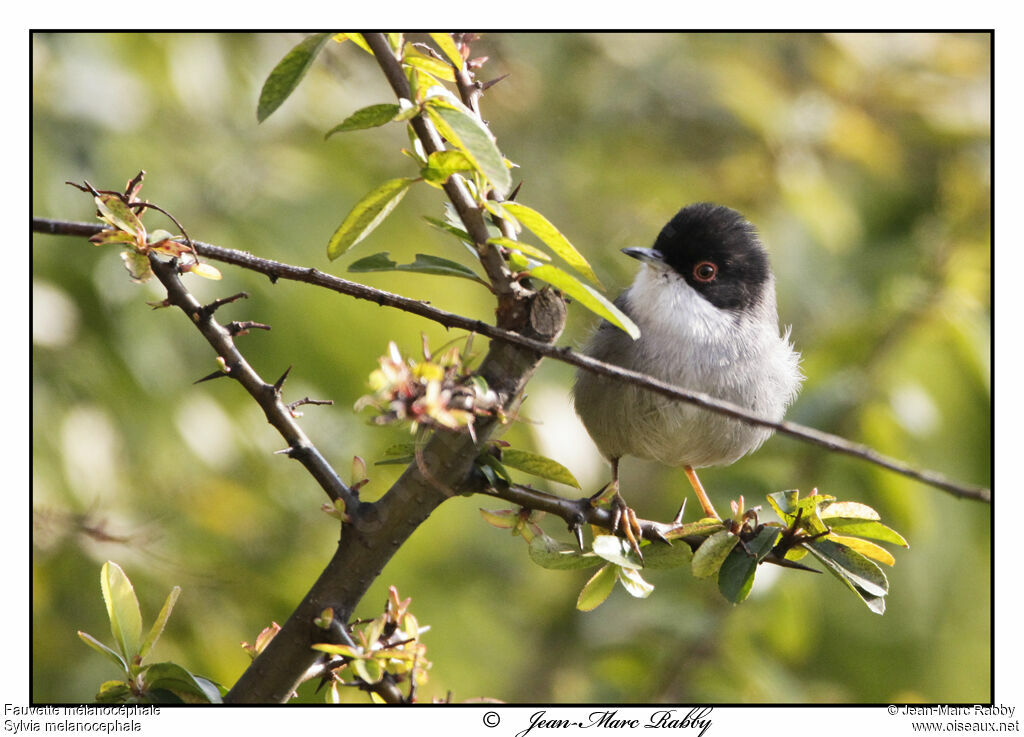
point(624, 520)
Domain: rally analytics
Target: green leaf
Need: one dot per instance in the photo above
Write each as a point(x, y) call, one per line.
point(616, 550)
point(736, 576)
point(787, 503)
point(558, 556)
point(459, 233)
point(552, 238)
point(597, 589)
point(442, 164)
point(446, 43)
point(519, 246)
point(398, 453)
point(704, 527)
point(117, 213)
point(183, 684)
point(860, 574)
point(538, 465)
point(586, 296)
point(712, 553)
point(657, 555)
point(367, 214)
point(103, 649)
point(634, 583)
point(466, 132)
point(122, 609)
point(423, 264)
point(286, 76)
point(161, 621)
point(367, 117)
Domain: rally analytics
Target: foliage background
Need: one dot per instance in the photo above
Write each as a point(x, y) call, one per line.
point(865, 161)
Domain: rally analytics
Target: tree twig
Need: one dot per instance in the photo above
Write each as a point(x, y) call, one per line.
point(276, 270)
point(268, 396)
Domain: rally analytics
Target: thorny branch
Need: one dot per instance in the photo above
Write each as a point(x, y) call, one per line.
point(276, 270)
point(268, 396)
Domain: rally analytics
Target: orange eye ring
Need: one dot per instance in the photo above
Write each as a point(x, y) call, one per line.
point(705, 272)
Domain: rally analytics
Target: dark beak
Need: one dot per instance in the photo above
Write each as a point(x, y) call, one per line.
point(647, 255)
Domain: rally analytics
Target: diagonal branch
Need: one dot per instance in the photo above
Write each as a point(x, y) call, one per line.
point(276, 270)
point(268, 396)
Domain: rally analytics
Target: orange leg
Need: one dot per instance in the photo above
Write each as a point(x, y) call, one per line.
point(702, 496)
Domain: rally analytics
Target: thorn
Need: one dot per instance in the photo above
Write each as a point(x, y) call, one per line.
point(515, 191)
point(280, 382)
point(217, 303)
point(484, 86)
point(678, 519)
point(289, 451)
point(577, 529)
point(656, 531)
point(243, 327)
point(214, 375)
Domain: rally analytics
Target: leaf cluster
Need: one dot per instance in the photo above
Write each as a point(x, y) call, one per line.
point(732, 549)
point(163, 682)
point(471, 155)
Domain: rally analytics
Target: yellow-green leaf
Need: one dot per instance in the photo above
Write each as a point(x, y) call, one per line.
point(117, 213)
point(466, 132)
point(356, 38)
point(161, 621)
point(520, 246)
point(433, 67)
point(587, 296)
point(552, 238)
point(103, 649)
point(367, 214)
point(864, 547)
point(122, 609)
point(446, 43)
point(597, 588)
point(442, 164)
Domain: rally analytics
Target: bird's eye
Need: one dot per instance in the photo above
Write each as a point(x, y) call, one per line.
point(705, 272)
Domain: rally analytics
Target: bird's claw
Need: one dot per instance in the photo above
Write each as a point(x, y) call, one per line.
point(624, 520)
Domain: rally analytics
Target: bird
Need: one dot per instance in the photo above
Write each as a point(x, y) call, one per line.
point(704, 301)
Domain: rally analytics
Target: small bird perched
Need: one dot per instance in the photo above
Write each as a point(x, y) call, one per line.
point(704, 301)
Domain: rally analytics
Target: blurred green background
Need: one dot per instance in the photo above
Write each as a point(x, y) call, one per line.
point(864, 160)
